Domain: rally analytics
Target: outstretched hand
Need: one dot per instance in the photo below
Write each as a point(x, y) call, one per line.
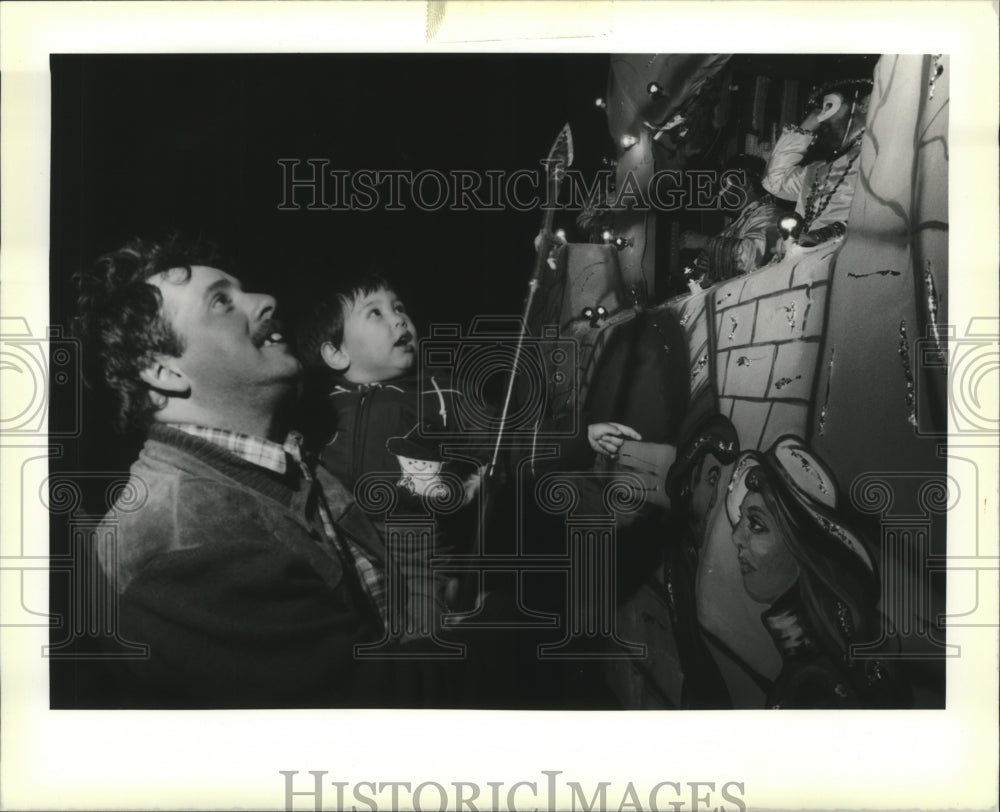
point(608, 438)
point(472, 485)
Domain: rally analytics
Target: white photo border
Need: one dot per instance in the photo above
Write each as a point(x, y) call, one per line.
point(225, 759)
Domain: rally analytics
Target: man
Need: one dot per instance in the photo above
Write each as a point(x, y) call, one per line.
point(250, 578)
point(816, 163)
point(749, 240)
point(695, 485)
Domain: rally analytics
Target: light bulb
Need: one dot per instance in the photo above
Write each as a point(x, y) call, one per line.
point(790, 226)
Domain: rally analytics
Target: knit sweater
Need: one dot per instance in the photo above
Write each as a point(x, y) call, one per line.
point(222, 568)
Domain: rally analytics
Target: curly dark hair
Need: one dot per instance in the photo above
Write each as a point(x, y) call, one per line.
point(753, 167)
point(858, 90)
point(325, 321)
point(121, 324)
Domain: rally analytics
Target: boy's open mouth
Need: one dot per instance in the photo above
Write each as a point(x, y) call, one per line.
point(405, 340)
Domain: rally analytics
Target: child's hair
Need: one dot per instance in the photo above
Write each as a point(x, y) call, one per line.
point(325, 321)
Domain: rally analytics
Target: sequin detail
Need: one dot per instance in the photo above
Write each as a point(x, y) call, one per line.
point(790, 315)
point(936, 70)
point(807, 467)
point(884, 272)
point(783, 382)
point(826, 398)
point(904, 355)
point(932, 308)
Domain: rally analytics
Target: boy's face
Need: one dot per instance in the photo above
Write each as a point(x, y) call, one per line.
point(379, 339)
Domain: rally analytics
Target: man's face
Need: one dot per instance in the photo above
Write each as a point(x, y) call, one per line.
point(704, 492)
point(379, 338)
point(232, 348)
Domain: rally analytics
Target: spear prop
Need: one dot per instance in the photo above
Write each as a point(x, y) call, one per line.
point(560, 157)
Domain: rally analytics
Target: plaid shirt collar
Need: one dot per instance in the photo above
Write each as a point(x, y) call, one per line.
point(256, 450)
point(274, 457)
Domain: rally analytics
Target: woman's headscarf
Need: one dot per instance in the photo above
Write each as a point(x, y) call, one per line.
point(838, 584)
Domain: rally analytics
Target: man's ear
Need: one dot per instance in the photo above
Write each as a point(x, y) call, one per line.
point(163, 375)
point(334, 357)
point(832, 102)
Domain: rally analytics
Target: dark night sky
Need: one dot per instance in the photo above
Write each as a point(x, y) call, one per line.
point(143, 144)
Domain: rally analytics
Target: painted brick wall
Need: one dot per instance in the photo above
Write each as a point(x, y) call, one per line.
point(767, 330)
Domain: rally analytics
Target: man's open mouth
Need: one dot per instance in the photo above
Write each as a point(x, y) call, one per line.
point(268, 334)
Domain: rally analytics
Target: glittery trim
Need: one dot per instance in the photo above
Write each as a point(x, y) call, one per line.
point(707, 439)
point(838, 532)
point(844, 621)
point(826, 398)
point(904, 354)
point(886, 272)
point(741, 468)
point(783, 382)
point(790, 315)
point(807, 467)
point(932, 308)
point(936, 72)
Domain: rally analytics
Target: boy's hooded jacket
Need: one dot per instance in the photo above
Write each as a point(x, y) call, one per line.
point(366, 417)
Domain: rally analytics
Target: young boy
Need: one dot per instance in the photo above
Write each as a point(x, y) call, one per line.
point(362, 342)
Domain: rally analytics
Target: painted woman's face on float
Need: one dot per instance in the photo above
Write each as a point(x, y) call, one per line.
point(768, 567)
